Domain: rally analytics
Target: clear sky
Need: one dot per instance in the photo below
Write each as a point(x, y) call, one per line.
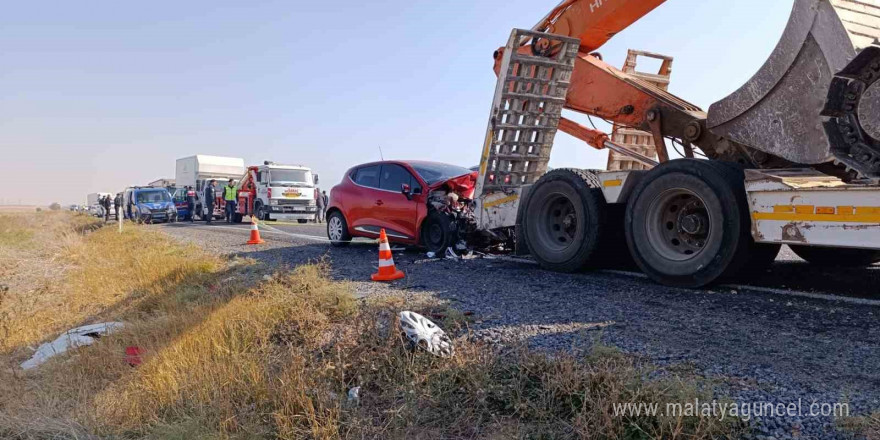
point(97, 95)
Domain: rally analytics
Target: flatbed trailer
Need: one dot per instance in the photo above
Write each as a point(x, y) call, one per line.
point(686, 222)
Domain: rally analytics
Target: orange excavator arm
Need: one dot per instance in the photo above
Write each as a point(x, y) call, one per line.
point(594, 21)
point(601, 90)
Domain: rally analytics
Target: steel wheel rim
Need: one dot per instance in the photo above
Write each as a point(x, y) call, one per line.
point(679, 226)
point(558, 222)
point(334, 227)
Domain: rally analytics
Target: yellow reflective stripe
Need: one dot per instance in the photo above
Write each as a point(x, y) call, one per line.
point(615, 182)
point(500, 201)
point(809, 213)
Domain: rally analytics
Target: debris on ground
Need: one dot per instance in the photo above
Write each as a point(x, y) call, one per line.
point(354, 396)
point(77, 337)
point(133, 355)
point(424, 334)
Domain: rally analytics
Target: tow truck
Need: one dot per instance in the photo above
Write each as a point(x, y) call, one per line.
point(792, 157)
point(273, 191)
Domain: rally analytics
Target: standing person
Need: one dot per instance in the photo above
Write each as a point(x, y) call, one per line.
point(210, 197)
point(319, 202)
point(191, 202)
point(105, 203)
point(117, 203)
point(229, 196)
point(326, 204)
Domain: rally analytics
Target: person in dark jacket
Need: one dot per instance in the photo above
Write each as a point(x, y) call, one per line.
point(210, 197)
point(105, 203)
point(191, 202)
point(319, 205)
point(117, 203)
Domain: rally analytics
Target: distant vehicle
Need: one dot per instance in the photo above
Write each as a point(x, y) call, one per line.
point(278, 192)
point(148, 205)
point(197, 172)
point(416, 202)
point(178, 196)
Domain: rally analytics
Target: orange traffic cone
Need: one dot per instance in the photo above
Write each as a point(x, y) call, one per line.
point(255, 233)
point(387, 271)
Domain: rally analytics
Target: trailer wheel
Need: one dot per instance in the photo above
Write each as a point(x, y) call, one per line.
point(564, 219)
point(687, 223)
point(837, 257)
point(337, 230)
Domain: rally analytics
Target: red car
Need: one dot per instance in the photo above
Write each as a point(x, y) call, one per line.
point(416, 202)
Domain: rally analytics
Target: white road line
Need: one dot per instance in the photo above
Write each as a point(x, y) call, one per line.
point(264, 229)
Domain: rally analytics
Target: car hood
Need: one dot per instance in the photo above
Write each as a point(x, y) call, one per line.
point(463, 185)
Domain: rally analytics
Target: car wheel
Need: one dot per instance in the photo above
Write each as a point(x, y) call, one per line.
point(438, 232)
point(836, 257)
point(687, 223)
point(337, 230)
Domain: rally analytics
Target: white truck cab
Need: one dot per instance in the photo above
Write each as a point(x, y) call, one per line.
point(279, 192)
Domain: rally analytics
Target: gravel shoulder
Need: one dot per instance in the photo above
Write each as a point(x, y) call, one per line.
point(759, 347)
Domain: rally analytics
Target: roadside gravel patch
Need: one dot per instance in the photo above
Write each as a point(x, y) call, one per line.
point(758, 347)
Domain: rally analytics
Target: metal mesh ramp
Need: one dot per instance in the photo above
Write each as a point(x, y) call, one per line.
point(528, 102)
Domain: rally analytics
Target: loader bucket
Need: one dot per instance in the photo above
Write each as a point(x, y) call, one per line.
point(778, 111)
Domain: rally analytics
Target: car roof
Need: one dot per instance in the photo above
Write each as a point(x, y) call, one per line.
point(407, 162)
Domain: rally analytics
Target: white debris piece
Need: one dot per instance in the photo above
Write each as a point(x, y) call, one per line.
point(423, 333)
point(431, 255)
point(354, 395)
point(73, 338)
point(451, 253)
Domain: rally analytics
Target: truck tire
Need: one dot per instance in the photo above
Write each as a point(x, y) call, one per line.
point(564, 220)
point(437, 232)
point(337, 230)
point(301, 220)
point(236, 217)
point(261, 212)
point(687, 223)
point(836, 257)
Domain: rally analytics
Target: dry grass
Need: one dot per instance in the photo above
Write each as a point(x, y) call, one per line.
point(276, 359)
point(867, 427)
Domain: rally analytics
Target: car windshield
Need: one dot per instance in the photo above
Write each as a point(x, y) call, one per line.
point(157, 196)
point(282, 177)
point(437, 172)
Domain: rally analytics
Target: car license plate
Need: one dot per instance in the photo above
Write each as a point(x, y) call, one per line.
point(299, 208)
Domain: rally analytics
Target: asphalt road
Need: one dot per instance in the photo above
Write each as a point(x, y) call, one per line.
point(760, 340)
point(788, 273)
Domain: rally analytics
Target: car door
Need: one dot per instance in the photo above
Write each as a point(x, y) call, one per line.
point(399, 213)
point(360, 204)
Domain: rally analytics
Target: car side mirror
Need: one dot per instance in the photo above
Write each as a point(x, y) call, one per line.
point(405, 189)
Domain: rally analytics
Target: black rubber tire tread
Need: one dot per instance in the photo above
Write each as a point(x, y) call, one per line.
point(585, 185)
point(836, 257)
point(726, 184)
point(445, 223)
point(346, 237)
point(759, 256)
